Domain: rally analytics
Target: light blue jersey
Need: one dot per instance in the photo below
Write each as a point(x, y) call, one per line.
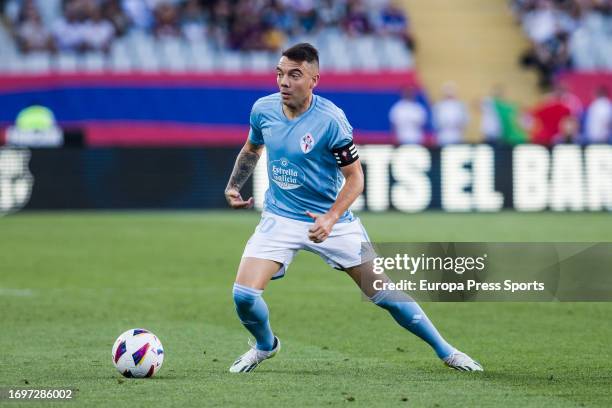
point(303, 168)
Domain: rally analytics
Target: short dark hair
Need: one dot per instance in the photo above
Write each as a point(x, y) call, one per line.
point(302, 52)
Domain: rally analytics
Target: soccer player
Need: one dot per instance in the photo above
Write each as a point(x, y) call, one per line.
point(310, 151)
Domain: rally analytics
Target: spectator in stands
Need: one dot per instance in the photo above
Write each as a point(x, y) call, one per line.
point(356, 20)
point(68, 31)
point(193, 21)
point(140, 13)
point(591, 40)
point(509, 126)
point(97, 31)
point(272, 38)
point(113, 12)
point(547, 27)
point(221, 22)
point(241, 25)
point(276, 21)
point(450, 117)
point(166, 20)
point(375, 8)
point(9, 12)
point(598, 121)
point(289, 19)
point(566, 34)
point(246, 32)
point(569, 131)
point(548, 116)
point(548, 58)
point(331, 13)
point(541, 23)
point(490, 122)
point(393, 22)
point(281, 17)
point(30, 33)
point(305, 13)
point(408, 118)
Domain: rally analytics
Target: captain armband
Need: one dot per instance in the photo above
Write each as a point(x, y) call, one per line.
point(346, 154)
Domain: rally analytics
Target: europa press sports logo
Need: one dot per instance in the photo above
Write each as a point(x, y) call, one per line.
point(286, 175)
point(16, 181)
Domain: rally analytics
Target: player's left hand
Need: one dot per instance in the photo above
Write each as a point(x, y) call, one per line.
point(322, 227)
point(235, 200)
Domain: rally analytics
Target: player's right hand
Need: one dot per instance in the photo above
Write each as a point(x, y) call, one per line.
point(234, 199)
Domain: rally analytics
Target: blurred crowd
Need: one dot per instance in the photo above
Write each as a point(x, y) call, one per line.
point(559, 118)
point(86, 25)
point(565, 34)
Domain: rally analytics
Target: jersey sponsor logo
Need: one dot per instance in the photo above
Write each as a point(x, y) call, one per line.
point(307, 142)
point(286, 175)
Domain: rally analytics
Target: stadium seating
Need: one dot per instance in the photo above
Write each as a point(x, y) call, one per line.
point(565, 36)
point(139, 50)
point(143, 53)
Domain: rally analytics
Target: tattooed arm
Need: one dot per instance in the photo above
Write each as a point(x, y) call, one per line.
point(243, 168)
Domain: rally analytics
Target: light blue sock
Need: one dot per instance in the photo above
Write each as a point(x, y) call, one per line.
point(253, 313)
point(408, 314)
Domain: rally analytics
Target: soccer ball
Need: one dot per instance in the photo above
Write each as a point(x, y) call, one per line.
point(138, 353)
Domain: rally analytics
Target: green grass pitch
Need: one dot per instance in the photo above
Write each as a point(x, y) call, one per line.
point(71, 282)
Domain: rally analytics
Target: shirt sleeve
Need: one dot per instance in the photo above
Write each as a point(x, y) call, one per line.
point(341, 141)
point(255, 135)
point(341, 131)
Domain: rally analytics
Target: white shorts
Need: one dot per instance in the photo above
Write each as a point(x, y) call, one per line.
point(279, 238)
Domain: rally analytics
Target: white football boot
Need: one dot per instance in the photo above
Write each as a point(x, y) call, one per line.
point(462, 362)
point(252, 358)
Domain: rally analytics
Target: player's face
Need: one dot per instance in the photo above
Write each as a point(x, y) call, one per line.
point(296, 80)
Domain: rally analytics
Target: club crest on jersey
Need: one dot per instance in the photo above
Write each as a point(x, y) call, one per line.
point(307, 142)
